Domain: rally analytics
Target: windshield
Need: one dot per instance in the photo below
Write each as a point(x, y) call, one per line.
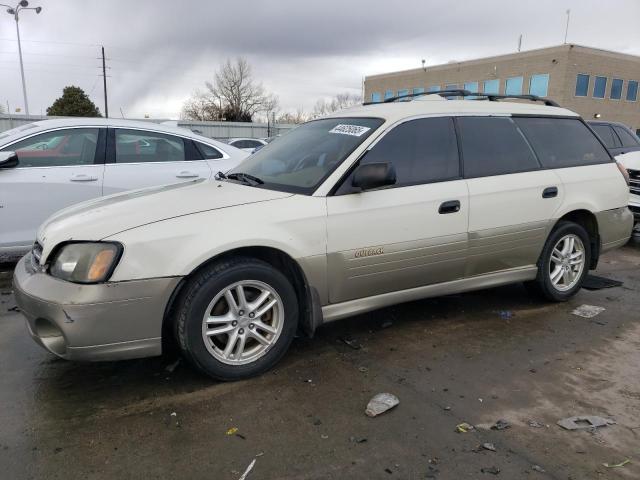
point(300, 160)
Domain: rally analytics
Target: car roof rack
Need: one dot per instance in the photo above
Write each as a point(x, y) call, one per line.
point(492, 97)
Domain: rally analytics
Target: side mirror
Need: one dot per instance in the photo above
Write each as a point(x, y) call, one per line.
point(374, 175)
point(8, 160)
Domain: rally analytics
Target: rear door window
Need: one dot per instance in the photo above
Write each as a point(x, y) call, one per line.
point(607, 136)
point(626, 138)
point(133, 146)
point(563, 142)
point(494, 146)
point(208, 152)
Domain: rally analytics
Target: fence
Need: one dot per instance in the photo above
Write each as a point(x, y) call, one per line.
point(218, 130)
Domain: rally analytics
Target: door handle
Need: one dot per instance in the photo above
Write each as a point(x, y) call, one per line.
point(452, 206)
point(550, 192)
point(187, 174)
point(84, 178)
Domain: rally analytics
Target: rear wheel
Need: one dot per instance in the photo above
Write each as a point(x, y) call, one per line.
point(564, 262)
point(237, 318)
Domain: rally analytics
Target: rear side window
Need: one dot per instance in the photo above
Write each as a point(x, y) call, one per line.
point(493, 146)
point(626, 138)
point(208, 151)
point(563, 142)
point(421, 151)
point(606, 135)
point(133, 146)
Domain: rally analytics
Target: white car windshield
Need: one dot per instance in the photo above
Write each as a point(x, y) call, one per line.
point(300, 160)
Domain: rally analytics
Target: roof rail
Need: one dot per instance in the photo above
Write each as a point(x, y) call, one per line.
point(534, 98)
point(409, 96)
point(492, 97)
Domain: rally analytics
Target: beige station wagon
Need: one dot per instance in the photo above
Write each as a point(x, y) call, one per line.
point(369, 207)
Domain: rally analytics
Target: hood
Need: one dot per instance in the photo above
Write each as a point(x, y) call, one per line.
point(97, 219)
point(630, 161)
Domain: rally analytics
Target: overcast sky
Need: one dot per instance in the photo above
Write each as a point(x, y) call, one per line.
point(161, 51)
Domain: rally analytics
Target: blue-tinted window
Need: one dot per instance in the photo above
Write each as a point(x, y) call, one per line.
point(451, 86)
point(513, 86)
point(616, 89)
point(632, 90)
point(492, 86)
point(418, 90)
point(388, 94)
point(539, 85)
point(582, 85)
point(472, 87)
point(599, 87)
point(434, 88)
point(376, 97)
point(404, 93)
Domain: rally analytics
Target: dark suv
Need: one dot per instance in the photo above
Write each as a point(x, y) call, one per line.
point(617, 137)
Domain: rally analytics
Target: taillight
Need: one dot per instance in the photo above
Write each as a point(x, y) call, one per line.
point(624, 173)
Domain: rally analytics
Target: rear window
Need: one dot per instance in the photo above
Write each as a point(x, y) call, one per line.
point(493, 146)
point(606, 135)
point(627, 139)
point(563, 142)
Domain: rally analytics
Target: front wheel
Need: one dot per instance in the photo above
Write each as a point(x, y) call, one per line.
point(564, 262)
point(236, 318)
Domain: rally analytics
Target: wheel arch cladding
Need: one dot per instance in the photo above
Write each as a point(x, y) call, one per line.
point(589, 222)
point(310, 313)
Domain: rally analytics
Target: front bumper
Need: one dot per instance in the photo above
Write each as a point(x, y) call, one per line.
point(109, 321)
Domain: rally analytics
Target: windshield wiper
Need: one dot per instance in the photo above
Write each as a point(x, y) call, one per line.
point(246, 178)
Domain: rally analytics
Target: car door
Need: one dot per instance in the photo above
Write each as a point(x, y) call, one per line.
point(140, 158)
point(511, 198)
point(56, 169)
point(408, 235)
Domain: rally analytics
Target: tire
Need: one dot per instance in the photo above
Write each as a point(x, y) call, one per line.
point(566, 287)
point(234, 321)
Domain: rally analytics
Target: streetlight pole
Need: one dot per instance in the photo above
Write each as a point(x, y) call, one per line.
point(15, 11)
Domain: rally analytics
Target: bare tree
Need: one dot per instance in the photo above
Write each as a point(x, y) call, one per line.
point(299, 116)
point(233, 95)
point(201, 107)
point(340, 101)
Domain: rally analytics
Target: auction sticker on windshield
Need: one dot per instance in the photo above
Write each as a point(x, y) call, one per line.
point(353, 130)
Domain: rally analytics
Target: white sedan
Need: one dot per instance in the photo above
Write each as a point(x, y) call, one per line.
point(62, 162)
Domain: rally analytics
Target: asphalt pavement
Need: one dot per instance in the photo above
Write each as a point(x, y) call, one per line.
point(476, 358)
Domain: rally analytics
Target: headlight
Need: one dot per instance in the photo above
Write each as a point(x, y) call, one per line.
point(85, 262)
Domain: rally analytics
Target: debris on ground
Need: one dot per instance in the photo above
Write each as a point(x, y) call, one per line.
point(363, 369)
point(324, 437)
point(464, 427)
point(588, 311)
point(538, 468)
point(13, 309)
point(491, 470)
point(249, 468)
point(171, 367)
point(174, 414)
point(582, 422)
point(534, 424)
point(501, 424)
point(617, 465)
point(380, 403)
point(489, 446)
point(447, 408)
point(351, 343)
point(232, 431)
point(386, 324)
point(357, 439)
point(432, 472)
point(506, 314)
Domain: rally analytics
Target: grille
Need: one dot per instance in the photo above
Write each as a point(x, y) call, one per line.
point(634, 185)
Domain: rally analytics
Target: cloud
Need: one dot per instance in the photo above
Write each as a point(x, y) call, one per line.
point(160, 52)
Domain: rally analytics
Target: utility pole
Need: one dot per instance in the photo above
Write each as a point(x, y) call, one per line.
point(104, 82)
point(566, 30)
point(520, 43)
